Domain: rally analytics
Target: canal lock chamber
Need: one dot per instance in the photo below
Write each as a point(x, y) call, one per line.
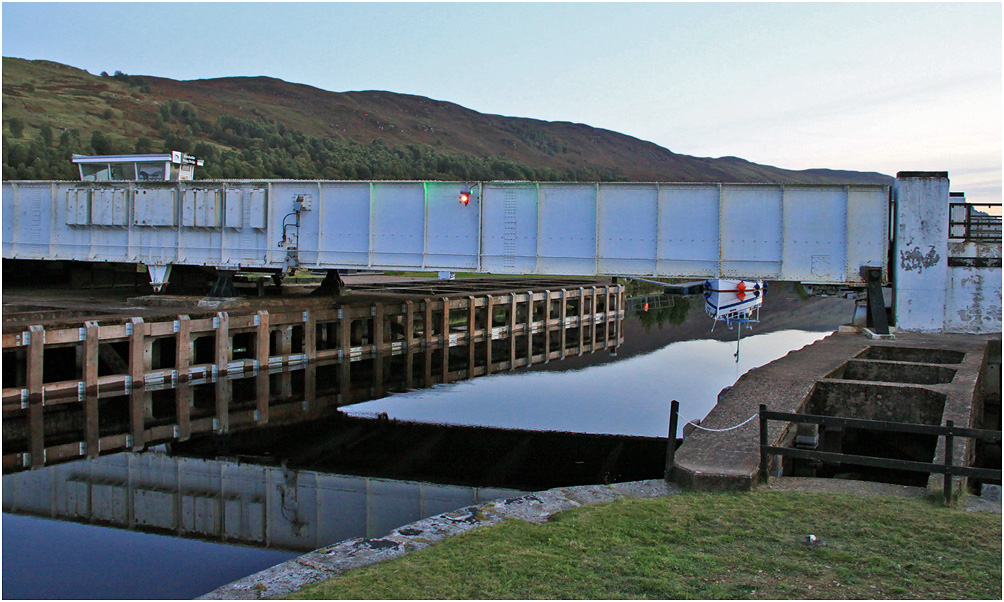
point(899, 384)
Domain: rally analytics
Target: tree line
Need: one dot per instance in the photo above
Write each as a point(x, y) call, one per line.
point(259, 147)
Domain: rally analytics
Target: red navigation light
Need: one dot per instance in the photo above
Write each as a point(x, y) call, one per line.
point(465, 197)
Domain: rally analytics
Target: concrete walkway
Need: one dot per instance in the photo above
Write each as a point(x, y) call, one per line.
point(729, 460)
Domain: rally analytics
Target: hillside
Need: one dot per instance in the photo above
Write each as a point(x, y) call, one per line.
point(265, 127)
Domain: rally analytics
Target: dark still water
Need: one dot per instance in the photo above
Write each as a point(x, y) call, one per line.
point(265, 480)
point(49, 559)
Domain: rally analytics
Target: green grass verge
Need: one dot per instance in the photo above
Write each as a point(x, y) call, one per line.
point(699, 545)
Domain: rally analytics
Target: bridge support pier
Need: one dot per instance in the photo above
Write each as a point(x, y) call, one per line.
point(920, 253)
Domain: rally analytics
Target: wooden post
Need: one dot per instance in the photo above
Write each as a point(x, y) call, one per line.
point(224, 349)
point(564, 316)
point(529, 328)
point(139, 399)
point(261, 342)
point(409, 324)
point(409, 367)
point(949, 443)
point(674, 415)
point(36, 396)
point(379, 344)
point(262, 393)
point(471, 329)
point(310, 335)
point(427, 374)
point(183, 347)
point(547, 326)
point(446, 341)
point(223, 394)
point(183, 409)
point(92, 436)
point(91, 341)
point(427, 333)
point(764, 458)
point(446, 322)
point(309, 387)
point(378, 383)
point(592, 319)
point(345, 333)
point(582, 320)
point(606, 317)
point(512, 333)
point(137, 352)
point(345, 380)
point(490, 306)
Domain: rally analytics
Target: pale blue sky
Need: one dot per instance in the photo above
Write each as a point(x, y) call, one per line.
point(874, 87)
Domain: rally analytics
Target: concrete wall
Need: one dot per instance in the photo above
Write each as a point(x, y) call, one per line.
point(920, 254)
point(973, 296)
point(930, 294)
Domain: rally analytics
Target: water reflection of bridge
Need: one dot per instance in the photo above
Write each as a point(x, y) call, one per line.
point(230, 501)
point(69, 392)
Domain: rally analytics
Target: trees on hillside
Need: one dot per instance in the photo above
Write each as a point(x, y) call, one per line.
point(238, 147)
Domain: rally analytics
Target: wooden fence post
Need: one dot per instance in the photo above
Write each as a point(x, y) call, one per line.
point(764, 458)
point(949, 444)
point(674, 415)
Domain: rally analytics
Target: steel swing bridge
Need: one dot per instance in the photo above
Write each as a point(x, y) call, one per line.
point(820, 234)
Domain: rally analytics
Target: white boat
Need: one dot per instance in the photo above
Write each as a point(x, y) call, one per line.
point(733, 301)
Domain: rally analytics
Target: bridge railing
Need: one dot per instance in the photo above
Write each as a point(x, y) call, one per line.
point(975, 221)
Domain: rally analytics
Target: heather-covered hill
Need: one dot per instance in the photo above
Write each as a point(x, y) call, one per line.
point(258, 127)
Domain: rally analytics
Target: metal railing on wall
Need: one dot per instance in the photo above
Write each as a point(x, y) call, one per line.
point(949, 431)
point(979, 222)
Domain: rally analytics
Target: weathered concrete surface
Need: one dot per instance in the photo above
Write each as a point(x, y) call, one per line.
point(333, 560)
point(973, 297)
point(730, 460)
point(920, 254)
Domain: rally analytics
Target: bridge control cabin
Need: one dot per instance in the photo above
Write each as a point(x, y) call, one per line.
point(163, 167)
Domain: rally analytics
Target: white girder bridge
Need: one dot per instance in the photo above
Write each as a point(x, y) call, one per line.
point(818, 234)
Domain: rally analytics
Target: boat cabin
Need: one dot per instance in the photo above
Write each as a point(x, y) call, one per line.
point(161, 167)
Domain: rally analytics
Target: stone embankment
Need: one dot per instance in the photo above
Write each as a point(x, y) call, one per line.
point(334, 560)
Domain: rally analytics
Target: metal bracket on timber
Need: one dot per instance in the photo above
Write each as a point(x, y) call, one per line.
point(876, 316)
point(331, 286)
point(224, 286)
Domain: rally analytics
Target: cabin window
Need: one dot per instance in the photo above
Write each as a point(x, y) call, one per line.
point(150, 171)
point(95, 172)
point(123, 171)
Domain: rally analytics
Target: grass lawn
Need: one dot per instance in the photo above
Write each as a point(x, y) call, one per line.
point(700, 545)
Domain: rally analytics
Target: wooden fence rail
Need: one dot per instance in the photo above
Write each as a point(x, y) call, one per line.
point(949, 431)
